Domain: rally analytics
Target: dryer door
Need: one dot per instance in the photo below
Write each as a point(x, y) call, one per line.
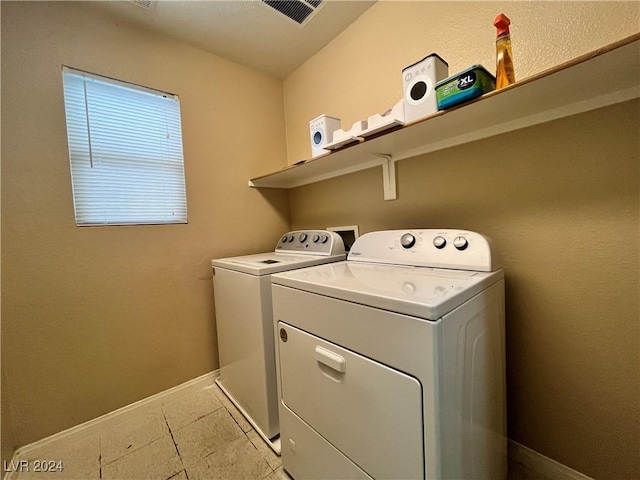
point(368, 411)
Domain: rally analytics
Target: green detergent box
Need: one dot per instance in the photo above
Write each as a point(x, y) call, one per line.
point(463, 86)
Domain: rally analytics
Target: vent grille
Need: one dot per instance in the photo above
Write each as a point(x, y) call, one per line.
point(146, 4)
point(297, 10)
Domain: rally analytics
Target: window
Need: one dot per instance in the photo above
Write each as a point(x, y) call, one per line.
point(125, 151)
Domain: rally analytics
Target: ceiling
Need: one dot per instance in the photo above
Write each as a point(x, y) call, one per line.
point(245, 31)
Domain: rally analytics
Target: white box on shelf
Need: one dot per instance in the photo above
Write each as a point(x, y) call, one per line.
point(321, 133)
point(419, 86)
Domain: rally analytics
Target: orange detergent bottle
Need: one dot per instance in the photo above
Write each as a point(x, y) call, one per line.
point(504, 58)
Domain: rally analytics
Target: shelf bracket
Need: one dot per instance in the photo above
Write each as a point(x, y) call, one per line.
point(388, 176)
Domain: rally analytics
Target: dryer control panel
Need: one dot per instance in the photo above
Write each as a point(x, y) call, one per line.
point(313, 242)
point(456, 249)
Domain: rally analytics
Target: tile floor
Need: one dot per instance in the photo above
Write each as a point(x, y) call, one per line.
point(201, 436)
point(196, 437)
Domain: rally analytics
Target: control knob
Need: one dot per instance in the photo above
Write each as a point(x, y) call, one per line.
point(439, 242)
point(324, 238)
point(316, 238)
point(407, 240)
point(460, 243)
point(302, 237)
point(285, 239)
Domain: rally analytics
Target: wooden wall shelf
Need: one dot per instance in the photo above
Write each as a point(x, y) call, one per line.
point(604, 77)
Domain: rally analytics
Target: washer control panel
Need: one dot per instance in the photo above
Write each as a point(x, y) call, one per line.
point(457, 249)
point(315, 242)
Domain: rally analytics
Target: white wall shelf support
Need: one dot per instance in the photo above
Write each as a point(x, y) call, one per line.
point(388, 176)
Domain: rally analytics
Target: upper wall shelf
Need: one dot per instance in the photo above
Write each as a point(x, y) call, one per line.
point(604, 77)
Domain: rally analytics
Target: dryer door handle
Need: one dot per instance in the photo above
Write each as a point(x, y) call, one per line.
point(330, 359)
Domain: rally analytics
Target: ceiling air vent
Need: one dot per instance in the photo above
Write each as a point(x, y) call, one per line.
point(146, 4)
point(297, 10)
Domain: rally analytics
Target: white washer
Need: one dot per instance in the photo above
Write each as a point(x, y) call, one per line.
point(244, 322)
point(391, 364)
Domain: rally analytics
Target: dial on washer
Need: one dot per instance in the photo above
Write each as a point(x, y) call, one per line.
point(460, 243)
point(407, 240)
point(439, 242)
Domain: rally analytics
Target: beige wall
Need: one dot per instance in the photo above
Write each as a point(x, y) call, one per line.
point(7, 432)
point(560, 201)
point(359, 73)
point(96, 318)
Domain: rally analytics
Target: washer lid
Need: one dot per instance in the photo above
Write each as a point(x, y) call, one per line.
point(422, 292)
point(268, 263)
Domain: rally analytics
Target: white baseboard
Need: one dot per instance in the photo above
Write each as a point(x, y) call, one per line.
point(110, 419)
point(542, 465)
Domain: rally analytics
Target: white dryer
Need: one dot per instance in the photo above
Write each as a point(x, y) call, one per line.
point(244, 322)
point(392, 364)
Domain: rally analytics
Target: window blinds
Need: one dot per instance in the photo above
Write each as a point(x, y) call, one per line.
point(125, 151)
